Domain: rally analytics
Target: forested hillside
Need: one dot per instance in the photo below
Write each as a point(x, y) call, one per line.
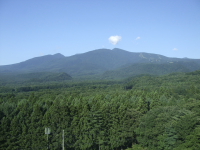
point(151, 68)
point(103, 61)
point(143, 113)
point(36, 77)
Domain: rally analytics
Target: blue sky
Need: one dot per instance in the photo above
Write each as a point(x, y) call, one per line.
point(32, 28)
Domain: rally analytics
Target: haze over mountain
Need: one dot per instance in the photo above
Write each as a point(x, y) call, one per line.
point(119, 62)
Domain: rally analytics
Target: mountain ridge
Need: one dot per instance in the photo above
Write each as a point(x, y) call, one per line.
point(93, 62)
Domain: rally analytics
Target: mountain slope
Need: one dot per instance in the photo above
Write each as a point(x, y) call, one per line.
point(36, 64)
point(151, 69)
point(33, 77)
point(90, 63)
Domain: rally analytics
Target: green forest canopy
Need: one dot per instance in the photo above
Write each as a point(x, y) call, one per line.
point(144, 112)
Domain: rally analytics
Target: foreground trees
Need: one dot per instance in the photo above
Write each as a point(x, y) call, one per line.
point(101, 116)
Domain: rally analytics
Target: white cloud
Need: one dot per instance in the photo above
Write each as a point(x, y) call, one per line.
point(175, 49)
point(114, 39)
point(138, 38)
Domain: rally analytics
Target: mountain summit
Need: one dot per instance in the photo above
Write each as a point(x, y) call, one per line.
point(96, 62)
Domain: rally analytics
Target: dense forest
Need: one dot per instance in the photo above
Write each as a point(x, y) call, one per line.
point(144, 112)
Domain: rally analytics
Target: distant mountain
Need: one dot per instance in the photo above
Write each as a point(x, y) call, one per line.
point(103, 61)
point(45, 77)
point(34, 77)
point(36, 64)
point(151, 69)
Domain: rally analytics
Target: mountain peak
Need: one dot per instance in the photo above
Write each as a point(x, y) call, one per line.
point(58, 55)
point(92, 62)
point(117, 49)
point(120, 50)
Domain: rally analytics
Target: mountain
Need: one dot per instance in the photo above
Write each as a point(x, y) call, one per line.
point(102, 61)
point(151, 69)
point(34, 77)
point(36, 64)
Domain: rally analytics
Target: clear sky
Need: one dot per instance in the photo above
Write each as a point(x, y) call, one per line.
point(32, 28)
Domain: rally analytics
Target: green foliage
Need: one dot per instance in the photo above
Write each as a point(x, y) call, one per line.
point(151, 69)
point(119, 64)
point(155, 113)
point(136, 147)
